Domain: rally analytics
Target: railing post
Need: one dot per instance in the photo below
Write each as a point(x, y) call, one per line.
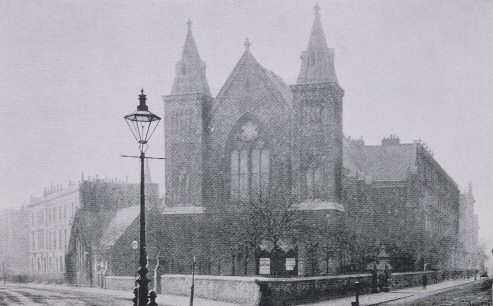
point(192, 288)
point(356, 291)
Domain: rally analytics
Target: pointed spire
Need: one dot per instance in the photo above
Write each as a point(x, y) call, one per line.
point(317, 61)
point(317, 8)
point(190, 70)
point(190, 50)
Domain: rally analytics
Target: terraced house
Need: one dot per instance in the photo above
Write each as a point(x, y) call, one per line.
point(50, 222)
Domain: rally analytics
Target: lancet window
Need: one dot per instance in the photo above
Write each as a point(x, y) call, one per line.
point(249, 164)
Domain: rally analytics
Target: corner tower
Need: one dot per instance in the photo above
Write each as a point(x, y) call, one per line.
point(186, 111)
point(317, 104)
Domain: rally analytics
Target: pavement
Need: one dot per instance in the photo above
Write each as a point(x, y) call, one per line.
point(45, 294)
point(394, 295)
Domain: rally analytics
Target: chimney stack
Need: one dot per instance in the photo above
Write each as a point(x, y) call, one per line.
point(392, 140)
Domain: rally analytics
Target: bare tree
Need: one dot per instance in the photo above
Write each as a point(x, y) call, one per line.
point(243, 226)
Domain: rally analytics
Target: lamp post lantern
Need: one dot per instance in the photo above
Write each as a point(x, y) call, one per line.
point(142, 124)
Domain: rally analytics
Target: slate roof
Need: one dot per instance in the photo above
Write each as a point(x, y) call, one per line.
point(120, 221)
point(281, 86)
point(381, 163)
point(247, 64)
point(348, 161)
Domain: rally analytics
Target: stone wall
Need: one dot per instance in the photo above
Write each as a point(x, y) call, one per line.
point(279, 291)
point(125, 283)
point(233, 289)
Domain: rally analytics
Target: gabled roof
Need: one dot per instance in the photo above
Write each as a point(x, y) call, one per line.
point(247, 64)
point(381, 163)
point(118, 224)
point(348, 161)
point(280, 86)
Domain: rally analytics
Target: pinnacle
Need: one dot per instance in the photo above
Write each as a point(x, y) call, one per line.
point(247, 44)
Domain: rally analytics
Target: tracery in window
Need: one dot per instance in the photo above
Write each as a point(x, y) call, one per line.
point(249, 164)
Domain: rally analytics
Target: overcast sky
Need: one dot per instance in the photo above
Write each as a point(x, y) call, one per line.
point(70, 70)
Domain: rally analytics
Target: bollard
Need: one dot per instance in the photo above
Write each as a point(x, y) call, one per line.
point(356, 290)
point(152, 297)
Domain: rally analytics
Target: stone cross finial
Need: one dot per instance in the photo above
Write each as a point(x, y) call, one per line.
point(247, 44)
point(189, 23)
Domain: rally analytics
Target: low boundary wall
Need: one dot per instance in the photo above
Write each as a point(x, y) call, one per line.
point(126, 283)
point(254, 290)
point(241, 290)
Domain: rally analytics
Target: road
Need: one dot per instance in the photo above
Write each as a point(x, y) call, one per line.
point(58, 295)
point(472, 294)
point(476, 293)
point(24, 295)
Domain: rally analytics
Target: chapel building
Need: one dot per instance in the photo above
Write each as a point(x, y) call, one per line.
point(260, 140)
point(258, 135)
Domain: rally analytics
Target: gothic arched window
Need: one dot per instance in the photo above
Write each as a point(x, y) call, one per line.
point(249, 164)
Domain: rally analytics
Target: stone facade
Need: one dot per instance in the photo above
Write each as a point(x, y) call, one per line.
point(414, 203)
point(261, 141)
point(50, 222)
point(257, 139)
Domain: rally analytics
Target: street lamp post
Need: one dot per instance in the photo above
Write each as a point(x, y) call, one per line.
point(142, 124)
